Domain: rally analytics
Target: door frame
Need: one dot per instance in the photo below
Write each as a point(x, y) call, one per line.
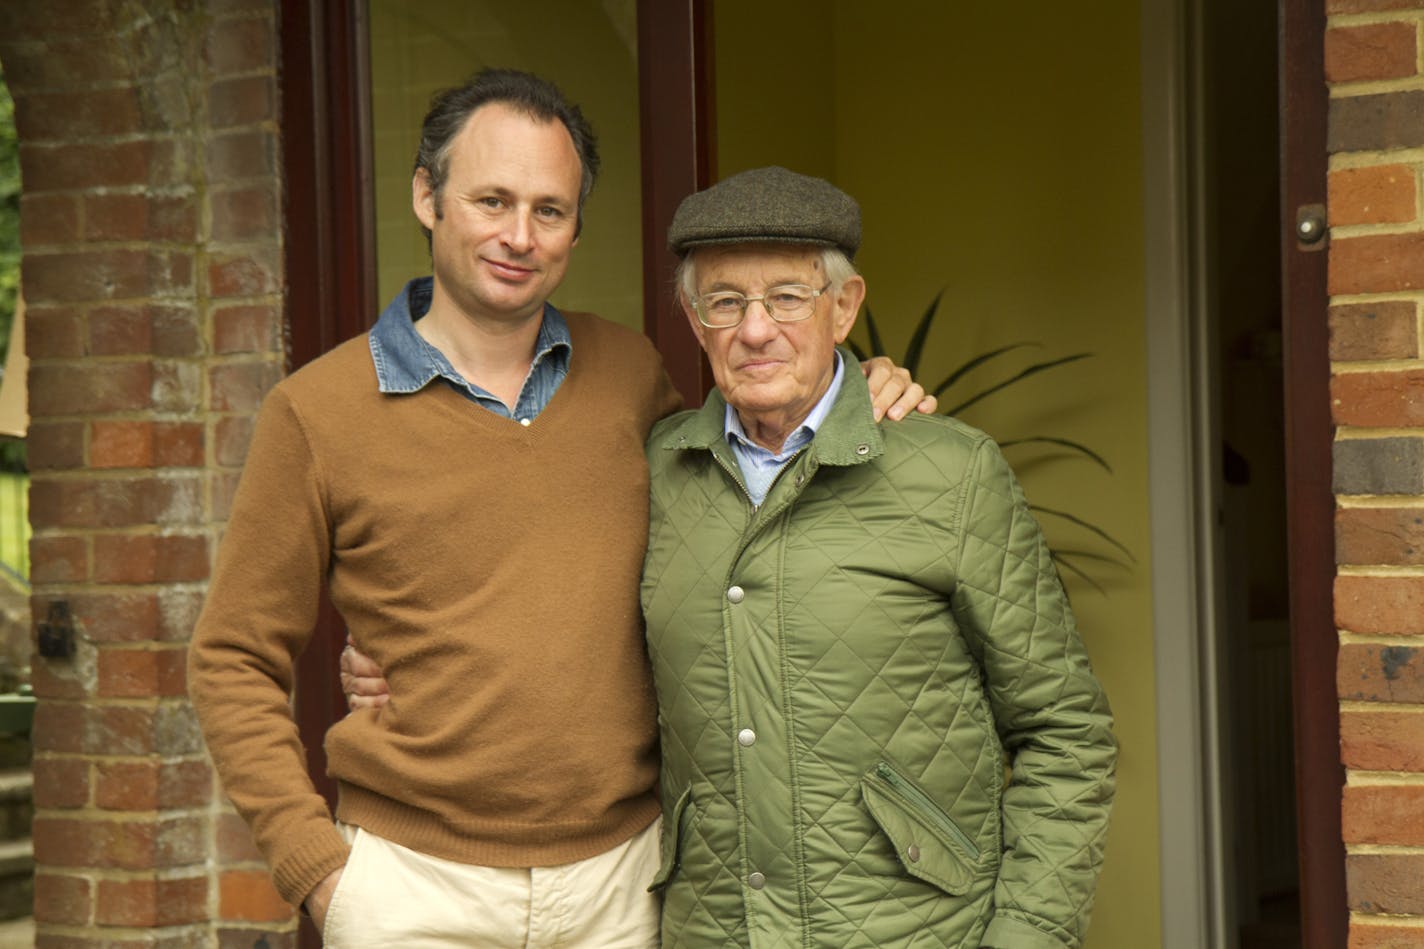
point(1195, 824)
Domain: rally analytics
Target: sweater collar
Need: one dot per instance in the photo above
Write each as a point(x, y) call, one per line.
point(849, 435)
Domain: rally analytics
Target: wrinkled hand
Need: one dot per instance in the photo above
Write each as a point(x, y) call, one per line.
point(893, 392)
point(319, 899)
point(362, 681)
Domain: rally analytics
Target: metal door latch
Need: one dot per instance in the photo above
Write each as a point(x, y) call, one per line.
point(1310, 226)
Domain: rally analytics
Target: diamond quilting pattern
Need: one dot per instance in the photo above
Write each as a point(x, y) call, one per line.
point(902, 610)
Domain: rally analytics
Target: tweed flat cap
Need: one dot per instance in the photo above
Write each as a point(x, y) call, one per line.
point(767, 204)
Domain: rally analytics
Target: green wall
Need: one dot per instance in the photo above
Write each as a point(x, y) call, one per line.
point(997, 155)
point(589, 50)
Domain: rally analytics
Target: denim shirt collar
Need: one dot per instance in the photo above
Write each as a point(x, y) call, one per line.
point(406, 363)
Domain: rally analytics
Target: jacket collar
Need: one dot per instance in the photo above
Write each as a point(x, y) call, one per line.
point(849, 436)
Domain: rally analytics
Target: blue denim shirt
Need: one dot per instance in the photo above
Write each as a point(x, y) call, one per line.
point(406, 363)
point(759, 465)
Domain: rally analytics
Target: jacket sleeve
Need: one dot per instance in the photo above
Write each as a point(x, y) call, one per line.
point(1049, 709)
point(259, 614)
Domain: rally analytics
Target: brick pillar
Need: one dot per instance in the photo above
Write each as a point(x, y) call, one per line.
point(1372, 60)
point(151, 230)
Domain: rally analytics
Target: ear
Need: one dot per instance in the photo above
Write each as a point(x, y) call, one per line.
point(847, 304)
point(422, 199)
point(698, 329)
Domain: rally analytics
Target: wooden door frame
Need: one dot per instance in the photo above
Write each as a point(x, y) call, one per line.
point(1310, 499)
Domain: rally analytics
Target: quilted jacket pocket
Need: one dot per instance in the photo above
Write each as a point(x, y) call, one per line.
point(673, 832)
point(928, 843)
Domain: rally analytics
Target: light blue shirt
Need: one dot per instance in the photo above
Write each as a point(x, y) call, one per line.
point(759, 465)
point(406, 363)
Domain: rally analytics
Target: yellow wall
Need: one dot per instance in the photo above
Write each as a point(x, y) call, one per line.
point(996, 153)
point(589, 50)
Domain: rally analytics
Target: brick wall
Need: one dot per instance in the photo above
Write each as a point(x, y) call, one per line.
point(1373, 52)
point(151, 228)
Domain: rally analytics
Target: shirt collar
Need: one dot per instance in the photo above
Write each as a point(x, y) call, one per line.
point(736, 435)
point(405, 362)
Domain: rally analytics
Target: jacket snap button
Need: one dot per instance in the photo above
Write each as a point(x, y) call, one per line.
point(736, 595)
point(862, 449)
point(913, 852)
point(756, 880)
point(800, 480)
point(746, 738)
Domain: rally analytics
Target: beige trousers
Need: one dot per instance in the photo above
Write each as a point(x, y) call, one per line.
point(389, 895)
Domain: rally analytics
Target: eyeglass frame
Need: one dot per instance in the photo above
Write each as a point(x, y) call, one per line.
point(748, 301)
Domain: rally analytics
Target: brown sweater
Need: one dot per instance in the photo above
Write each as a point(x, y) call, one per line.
point(491, 569)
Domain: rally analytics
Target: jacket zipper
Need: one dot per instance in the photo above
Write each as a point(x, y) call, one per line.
point(922, 803)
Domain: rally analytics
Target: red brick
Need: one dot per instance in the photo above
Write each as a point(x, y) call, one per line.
point(138, 217)
point(231, 437)
point(1385, 330)
point(249, 895)
point(224, 488)
point(59, 679)
point(177, 385)
point(1373, 672)
point(240, 386)
point(114, 502)
point(53, 332)
point(112, 617)
point(58, 559)
point(144, 330)
point(107, 844)
point(233, 937)
point(1378, 399)
point(1384, 263)
point(1375, 51)
point(150, 902)
point(92, 113)
point(83, 166)
point(142, 673)
point(146, 444)
point(234, 841)
point(88, 388)
point(1385, 883)
point(61, 783)
point(250, 274)
point(178, 611)
point(1393, 535)
point(127, 785)
point(48, 219)
point(246, 153)
point(150, 558)
point(1393, 934)
point(63, 899)
point(236, 46)
point(243, 213)
point(185, 784)
point(107, 274)
point(1383, 194)
point(1382, 740)
point(58, 727)
point(245, 101)
point(1382, 814)
point(52, 446)
point(1380, 604)
point(120, 730)
point(246, 329)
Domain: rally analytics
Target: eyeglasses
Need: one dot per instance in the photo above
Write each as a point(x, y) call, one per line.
point(725, 309)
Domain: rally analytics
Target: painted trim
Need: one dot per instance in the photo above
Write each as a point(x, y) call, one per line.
point(1190, 893)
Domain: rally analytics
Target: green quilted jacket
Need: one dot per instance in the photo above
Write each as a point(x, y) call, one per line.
point(845, 675)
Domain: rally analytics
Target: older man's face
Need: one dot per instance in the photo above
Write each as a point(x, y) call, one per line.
point(770, 371)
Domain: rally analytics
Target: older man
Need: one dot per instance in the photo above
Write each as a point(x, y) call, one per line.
point(853, 630)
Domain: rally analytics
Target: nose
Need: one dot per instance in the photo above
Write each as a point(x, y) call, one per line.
point(519, 234)
point(757, 326)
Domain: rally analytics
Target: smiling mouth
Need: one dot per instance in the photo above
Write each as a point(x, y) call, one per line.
point(510, 271)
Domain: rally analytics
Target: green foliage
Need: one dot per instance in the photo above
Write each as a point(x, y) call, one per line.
point(12, 451)
point(956, 394)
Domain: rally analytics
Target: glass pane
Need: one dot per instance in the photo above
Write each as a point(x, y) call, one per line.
point(587, 47)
